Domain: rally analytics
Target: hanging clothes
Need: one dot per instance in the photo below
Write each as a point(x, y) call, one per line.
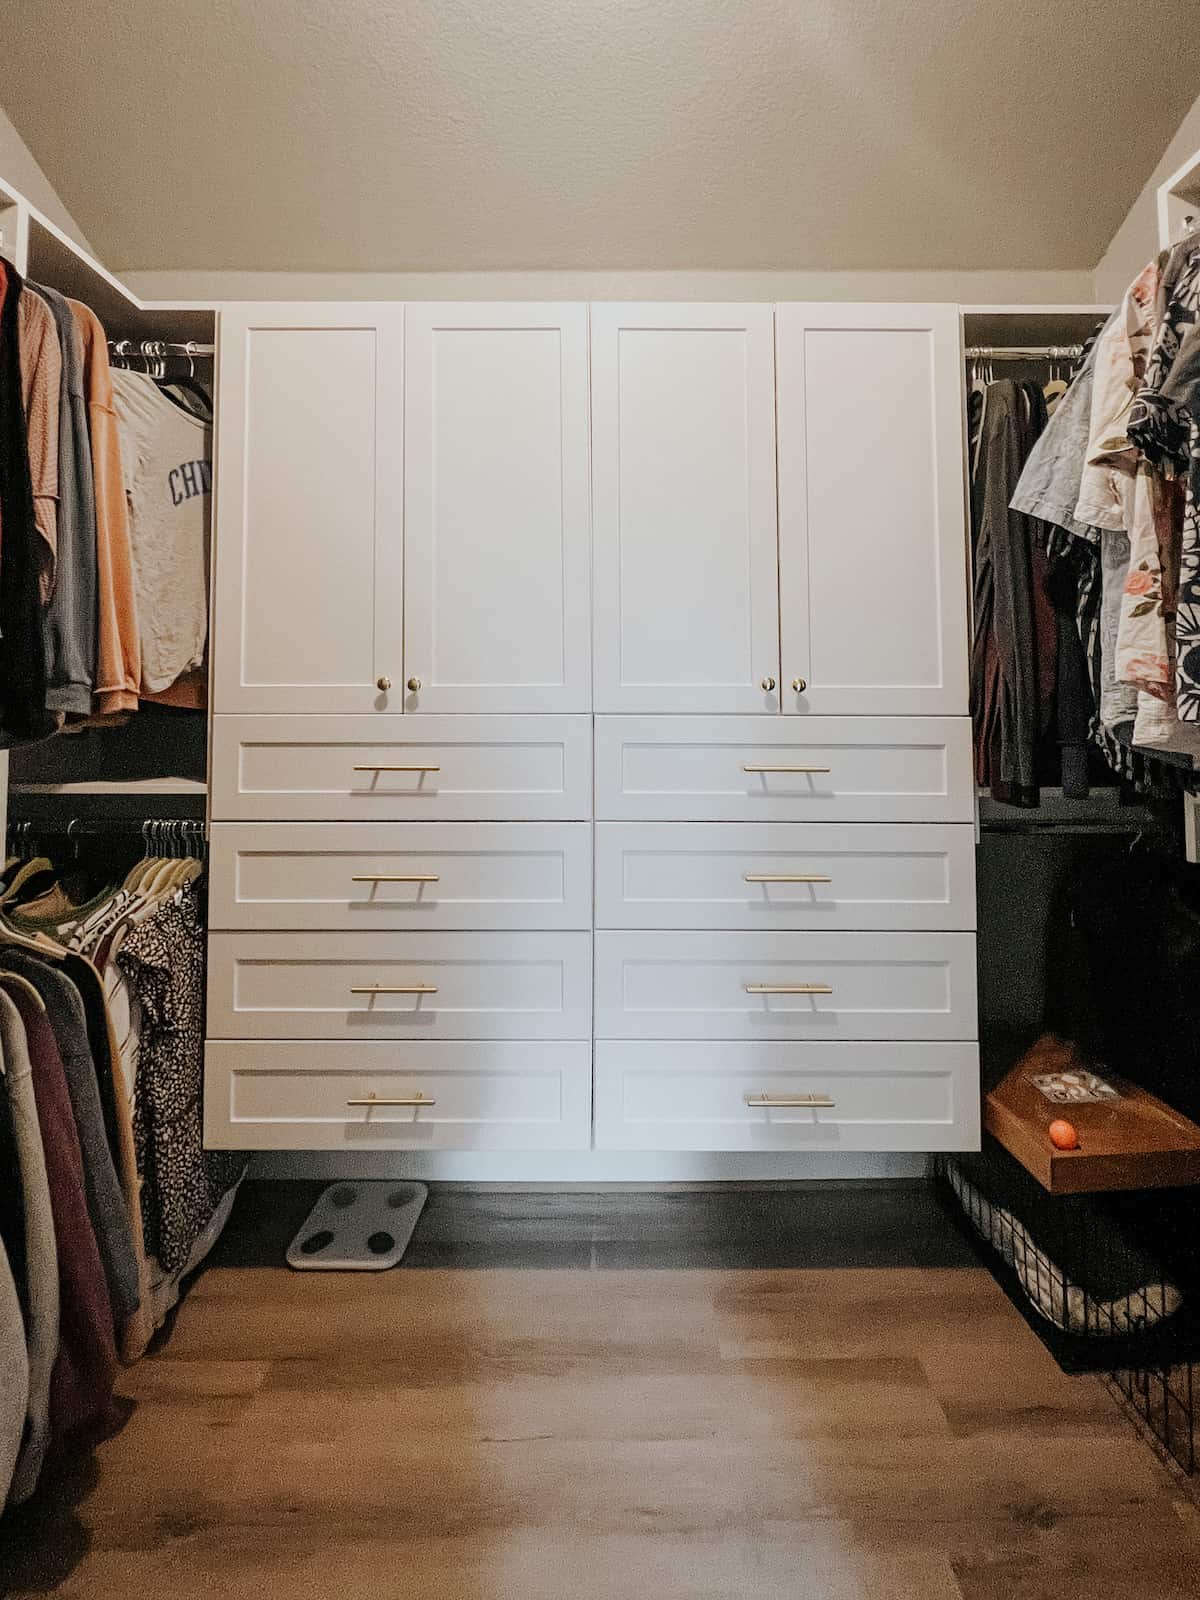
point(85, 1365)
point(138, 1022)
point(1063, 483)
point(14, 1375)
point(27, 1225)
point(102, 1188)
point(1165, 424)
point(41, 385)
point(1181, 390)
point(167, 458)
point(163, 958)
point(23, 712)
point(70, 617)
point(1014, 654)
point(118, 648)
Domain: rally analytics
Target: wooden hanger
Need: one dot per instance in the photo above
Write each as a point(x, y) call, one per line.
point(24, 984)
point(29, 870)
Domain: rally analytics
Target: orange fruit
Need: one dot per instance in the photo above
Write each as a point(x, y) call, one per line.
point(1063, 1136)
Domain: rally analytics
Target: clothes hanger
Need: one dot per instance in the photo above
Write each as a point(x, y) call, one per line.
point(189, 385)
point(23, 983)
point(40, 944)
point(29, 870)
point(1055, 388)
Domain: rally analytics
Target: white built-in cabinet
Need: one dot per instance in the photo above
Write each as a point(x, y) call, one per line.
point(403, 514)
point(683, 485)
point(873, 607)
point(309, 612)
point(497, 554)
point(591, 763)
point(778, 509)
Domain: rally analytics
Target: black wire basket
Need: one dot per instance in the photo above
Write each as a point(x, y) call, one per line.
point(1110, 1284)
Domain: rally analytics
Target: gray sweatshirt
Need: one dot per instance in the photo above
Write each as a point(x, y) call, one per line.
point(69, 624)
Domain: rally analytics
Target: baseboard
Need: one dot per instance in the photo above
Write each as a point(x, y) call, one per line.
point(587, 1167)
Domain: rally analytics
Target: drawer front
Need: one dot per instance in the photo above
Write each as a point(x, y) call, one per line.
point(521, 1095)
point(465, 875)
point(764, 875)
point(826, 986)
point(827, 769)
point(410, 769)
point(695, 1096)
point(409, 985)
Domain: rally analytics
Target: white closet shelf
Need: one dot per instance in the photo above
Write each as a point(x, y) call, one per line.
point(131, 787)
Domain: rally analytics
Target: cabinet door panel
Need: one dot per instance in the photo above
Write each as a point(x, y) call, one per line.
point(497, 549)
point(683, 432)
point(871, 510)
point(309, 536)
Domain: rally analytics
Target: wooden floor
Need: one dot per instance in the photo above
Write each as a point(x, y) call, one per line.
point(818, 1396)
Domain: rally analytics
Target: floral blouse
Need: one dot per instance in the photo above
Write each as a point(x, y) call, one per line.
point(1165, 425)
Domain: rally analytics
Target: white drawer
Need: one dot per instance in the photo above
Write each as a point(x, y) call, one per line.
point(675, 1096)
point(779, 875)
point(522, 1095)
point(843, 986)
point(443, 985)
point(403, 769)
point(467, 875)
point(827, 769)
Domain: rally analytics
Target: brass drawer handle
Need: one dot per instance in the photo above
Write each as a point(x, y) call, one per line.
point(377, 1100)
point(786, 769)
point(378, 768)
point(785, 877)
point(788, 988)
point(807, 1101)
point(396, 877)
point(401, 988)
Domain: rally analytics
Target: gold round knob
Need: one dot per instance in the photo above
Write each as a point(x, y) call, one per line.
point(768, 684)
point(414, 684)
point(799, 685)
point(384, 683)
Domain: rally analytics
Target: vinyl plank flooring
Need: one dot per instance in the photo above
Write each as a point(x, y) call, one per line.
point(531, 1413)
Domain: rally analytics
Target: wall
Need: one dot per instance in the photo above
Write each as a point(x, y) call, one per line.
point(18, 168)
point(1136, 240)
point(968, 288)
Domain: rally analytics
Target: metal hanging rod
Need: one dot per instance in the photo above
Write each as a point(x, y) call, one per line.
point(1027, 352)
point(159, 835)
point(142, 827)
point(159, 347)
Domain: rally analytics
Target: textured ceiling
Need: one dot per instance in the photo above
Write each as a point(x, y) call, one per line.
point(381, 135)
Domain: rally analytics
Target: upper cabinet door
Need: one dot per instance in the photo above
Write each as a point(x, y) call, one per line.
point(686, 556)
point(872, 541)
point(497, 523)
point(309, 509)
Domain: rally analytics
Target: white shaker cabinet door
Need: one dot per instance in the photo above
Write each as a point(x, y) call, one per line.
point(872, 538)
point(309, 608)
point(497, 580)
point(684, 514)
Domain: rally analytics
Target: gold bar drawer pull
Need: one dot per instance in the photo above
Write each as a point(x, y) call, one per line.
point(785, 877)
point(401, 988)
point(377, 1100)
point(396, 877)
point(378, 768)
point(810, 1102)
point(788, 988)
point(787, 769)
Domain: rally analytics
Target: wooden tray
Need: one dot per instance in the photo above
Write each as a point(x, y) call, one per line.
point(1136, 1142)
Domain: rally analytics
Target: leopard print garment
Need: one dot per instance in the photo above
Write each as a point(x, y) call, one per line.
point(182, 1184)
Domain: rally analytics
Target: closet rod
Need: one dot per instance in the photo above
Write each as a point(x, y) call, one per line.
point(159, 347)
point(150, 828)
point(1029, 352)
